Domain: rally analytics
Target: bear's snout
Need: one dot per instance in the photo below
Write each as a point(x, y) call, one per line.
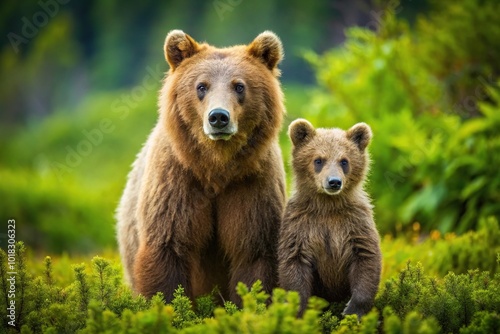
point(219, 125)
point(219, 118)
point(333, 185)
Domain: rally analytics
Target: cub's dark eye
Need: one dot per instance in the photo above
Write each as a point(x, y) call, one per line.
point(239, 88)
point(345, 165)
point(318, 165)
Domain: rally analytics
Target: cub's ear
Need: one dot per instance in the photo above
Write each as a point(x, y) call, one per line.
point(268, 49)
point(179, 46)
point(360, 134)
point(300, 132)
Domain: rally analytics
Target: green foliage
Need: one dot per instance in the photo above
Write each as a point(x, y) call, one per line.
point(55, 215)
point(96, 301)
point(483, 322)
point(457, 55)
point(64, 189)
point(449, 253)
point(184, 314)
point(434, 107)
point(452, 301)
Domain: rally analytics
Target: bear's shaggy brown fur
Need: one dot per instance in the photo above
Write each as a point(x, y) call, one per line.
point(204, 200)
point(329, 245)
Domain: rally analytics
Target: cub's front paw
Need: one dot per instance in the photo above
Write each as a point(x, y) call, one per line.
point(358, 308)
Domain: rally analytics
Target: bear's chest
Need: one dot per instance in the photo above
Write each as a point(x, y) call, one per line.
point(331, 248)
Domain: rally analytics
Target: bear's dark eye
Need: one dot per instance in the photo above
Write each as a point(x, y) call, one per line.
point(345, 165)
point(318, 164)
point(201, 89)
point(239, 88)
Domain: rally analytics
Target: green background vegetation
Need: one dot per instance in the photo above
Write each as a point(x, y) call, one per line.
point(79, 99)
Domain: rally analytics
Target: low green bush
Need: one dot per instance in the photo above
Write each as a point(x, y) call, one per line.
point(452, 301)
point(97, 301)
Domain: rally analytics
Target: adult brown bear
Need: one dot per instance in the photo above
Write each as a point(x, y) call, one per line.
point(203, 202)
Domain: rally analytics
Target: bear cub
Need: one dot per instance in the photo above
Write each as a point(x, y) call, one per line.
point(329, 246)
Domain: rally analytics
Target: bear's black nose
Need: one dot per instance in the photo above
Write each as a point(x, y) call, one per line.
point(335, 183)
point(218, 118)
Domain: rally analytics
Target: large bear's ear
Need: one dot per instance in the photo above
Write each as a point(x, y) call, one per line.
point(267, 48)
point(300, 132)
point(179, 46)
point(360, 134)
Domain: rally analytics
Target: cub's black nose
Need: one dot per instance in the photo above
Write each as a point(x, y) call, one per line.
point(218, 118)
point(335, 183)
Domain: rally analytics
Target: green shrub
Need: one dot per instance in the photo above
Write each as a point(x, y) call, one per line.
point(96, 301)
point(452, 301)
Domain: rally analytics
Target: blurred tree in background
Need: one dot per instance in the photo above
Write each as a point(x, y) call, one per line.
point(80, 79)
